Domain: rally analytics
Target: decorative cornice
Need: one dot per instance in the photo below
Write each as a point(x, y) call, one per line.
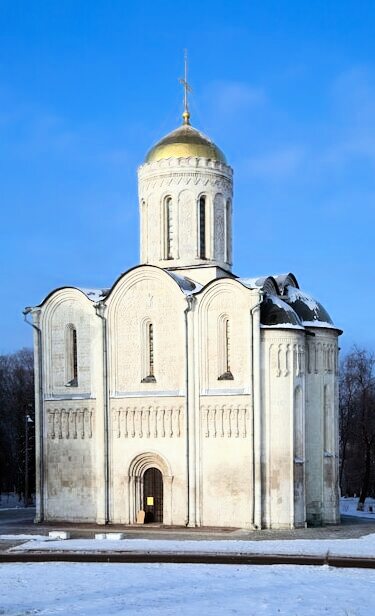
point(183, 181)
point(184, 164)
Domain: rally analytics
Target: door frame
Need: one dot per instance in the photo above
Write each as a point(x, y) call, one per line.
point(137, 469)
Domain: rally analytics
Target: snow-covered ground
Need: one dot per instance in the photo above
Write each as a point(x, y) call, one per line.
point(10, 500)
point(364, 546)
point(21, 537)
point(348, 506)
point(85, 589)
point(165, 589)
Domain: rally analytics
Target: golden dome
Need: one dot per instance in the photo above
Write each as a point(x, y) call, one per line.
point(183, 142)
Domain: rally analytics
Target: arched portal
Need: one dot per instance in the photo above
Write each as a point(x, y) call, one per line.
point(153, 495)
point(150, 476)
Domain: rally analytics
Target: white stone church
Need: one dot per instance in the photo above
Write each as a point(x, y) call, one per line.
point(184, 391)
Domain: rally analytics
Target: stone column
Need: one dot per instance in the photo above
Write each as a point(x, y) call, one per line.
point(191, 411)
point(167, 499)
point(100, 463)
point(257, 430)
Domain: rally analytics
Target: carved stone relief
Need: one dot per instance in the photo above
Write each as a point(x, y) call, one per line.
point(70, 423)
point(321, 357)
point(147, 422)
point(188, 225)
point(219, 230)
point(224, 421)
point(299, 359)
point(194, 179)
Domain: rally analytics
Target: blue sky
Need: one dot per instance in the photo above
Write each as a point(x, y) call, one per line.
point(285, 88)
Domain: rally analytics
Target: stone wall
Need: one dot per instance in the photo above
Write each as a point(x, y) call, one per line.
point(146, 295)
point(322, 428)
point(225, 461)
point(151, 430)
point(185, 181)
point(283, 434)
point(244, 429)
point(70, 454)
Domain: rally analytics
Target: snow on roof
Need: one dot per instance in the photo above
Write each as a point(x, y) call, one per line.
point(309, 310)
point(319, 324)
point(253, 283)
point(280, 303)
point(294, 295)
point(186, 285)
point(95, 295)
point(266, 283)
point(283, 326)
point(285, 280)
point(278, 281)
point(276, 313)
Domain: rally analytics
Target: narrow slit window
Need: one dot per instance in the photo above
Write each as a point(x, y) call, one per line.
point(202, 228)
point(74, 353)
point(227, 230)
point(71, 358)
point(298, 427)
point(151, 349)
point(226, 374)
point(327, 421)
point(168, 213)
point(149, 356)
point(227, 367)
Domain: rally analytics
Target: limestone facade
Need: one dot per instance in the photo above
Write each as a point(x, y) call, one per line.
point(183, 183)
point(226, 386)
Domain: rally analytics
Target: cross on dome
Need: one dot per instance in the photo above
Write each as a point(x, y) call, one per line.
point(187, 89)
point(185, 141)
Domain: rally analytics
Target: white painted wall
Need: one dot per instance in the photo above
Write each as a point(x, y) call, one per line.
point(185, 180)
point(70, 477)
point(322, 427)
point(258, 449)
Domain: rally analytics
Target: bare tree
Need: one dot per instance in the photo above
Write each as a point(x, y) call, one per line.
point(347, 415)
point(16, 401)
point(357, 423)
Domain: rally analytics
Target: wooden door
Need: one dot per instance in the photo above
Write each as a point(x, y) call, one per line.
point(153, 495)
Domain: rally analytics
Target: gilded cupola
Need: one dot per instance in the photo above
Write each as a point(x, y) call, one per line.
point(185, 199)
